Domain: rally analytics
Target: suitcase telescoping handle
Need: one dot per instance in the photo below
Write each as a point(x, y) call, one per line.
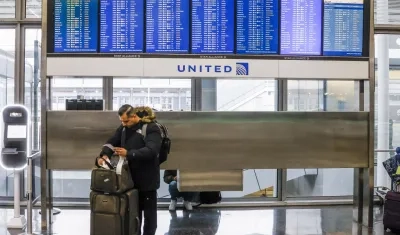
point(108, 164)
point(105, 162)
point(138, 225)
point(120, 164)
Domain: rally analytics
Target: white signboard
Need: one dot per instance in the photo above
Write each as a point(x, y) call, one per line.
point(203, 68)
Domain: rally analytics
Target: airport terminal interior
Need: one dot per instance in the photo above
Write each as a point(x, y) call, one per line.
point(292, 190)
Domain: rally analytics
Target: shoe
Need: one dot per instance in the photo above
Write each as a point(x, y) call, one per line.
point(188, 205)
point(172, 206)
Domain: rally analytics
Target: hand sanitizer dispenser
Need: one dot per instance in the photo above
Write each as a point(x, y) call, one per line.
point(15, 151)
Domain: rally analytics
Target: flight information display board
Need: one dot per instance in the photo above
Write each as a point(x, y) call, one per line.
point(213, 26)
point(167, 26)
point(121, 25)
point(343, 27)
point(247, 28)
point(75, 25)
point(257, 29)
point(301, 27)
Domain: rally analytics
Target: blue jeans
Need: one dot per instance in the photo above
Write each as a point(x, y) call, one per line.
point(175, 194)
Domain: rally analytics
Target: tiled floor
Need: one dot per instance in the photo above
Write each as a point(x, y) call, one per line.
point(281, 221)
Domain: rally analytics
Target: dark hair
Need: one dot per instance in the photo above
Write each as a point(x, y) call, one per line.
point(126, 109)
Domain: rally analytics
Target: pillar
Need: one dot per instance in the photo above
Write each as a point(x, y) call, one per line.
point(382, 52)
point(209, 95)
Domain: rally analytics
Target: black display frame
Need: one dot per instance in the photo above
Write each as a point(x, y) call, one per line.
point(364, 57)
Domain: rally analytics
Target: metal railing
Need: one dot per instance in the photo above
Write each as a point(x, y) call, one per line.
point(384, 150)
point(29, 192)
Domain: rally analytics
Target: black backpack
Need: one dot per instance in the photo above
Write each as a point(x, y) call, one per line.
point(209, 198)
point(165, 144)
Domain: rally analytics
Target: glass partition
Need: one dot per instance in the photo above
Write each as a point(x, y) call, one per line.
point(247, 95)
point(7, 9)
point(64, 88)
point(338, 96)
point(73, 184)
point(7, 94)
point(161, 94)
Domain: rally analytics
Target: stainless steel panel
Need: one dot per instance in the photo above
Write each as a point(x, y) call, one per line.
point(45, 97)
point(363, 212)
point(200, 181)
point(223, 140)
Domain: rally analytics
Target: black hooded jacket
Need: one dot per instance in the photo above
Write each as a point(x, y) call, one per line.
point(169, 175)
point(142, 154)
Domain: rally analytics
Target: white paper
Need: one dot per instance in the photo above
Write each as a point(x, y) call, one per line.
point(105, 166)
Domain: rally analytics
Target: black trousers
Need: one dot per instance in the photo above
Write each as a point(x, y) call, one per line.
point(148, 211)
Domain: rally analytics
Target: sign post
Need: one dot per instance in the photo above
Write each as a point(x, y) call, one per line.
point(15, 152)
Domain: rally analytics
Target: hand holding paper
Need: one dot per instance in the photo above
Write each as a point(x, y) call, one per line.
point(121, 152)
point(101, 161)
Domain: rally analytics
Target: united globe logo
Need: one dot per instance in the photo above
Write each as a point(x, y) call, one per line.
point(242, 69)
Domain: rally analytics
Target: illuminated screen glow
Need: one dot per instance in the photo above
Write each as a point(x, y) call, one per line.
point(16, 132)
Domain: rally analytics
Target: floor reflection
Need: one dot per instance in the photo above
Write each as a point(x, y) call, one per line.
point(280, 221)
point(196, 222)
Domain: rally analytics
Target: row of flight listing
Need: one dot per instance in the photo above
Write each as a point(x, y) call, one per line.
point(285, 27)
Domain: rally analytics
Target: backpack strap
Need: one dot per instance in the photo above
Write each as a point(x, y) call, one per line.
point(164, 132)
point(144, 130)
point(163, 129)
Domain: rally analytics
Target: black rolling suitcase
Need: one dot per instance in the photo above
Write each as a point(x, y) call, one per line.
point(391, 214)
point(113, 201)
point(114, 214)
point(391, 209)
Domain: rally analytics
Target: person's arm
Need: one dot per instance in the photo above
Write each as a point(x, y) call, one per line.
point(115, 141)
point(169, 176)
point(152, 145)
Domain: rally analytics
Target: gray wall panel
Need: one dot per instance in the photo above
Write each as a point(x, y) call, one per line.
point(223, 140)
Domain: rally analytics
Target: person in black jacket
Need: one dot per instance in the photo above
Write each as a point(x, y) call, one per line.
point(142, 155)
point(170, 178)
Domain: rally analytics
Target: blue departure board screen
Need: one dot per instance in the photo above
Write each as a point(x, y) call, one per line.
point(242, 27)
point(167, 26)
point(343, 27)
point(301, 27)
point(75, 25)
point(213, 26)
point(121, 25)
point(257, 29)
